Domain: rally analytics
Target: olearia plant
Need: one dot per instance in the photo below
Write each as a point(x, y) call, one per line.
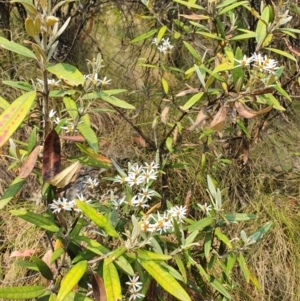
point(141, 244)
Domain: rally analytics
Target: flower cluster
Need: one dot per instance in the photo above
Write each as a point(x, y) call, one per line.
point(139, 179)
point(134, 287)
point(93, 78)
point(63, 204)
point(262, 63)
point(164, 223)
point(163, 46)
point(69, 127)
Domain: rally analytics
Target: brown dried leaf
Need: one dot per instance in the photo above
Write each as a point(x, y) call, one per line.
point(25, 253)
point(29, 163)
point(51, 156)
point(78, 138)
point(98, 288)
point(200, 119)
point(190, 90)
point(247, 112)
point(164, 114)
point(218, 122)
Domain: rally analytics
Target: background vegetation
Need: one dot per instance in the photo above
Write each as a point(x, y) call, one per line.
point(256, 158)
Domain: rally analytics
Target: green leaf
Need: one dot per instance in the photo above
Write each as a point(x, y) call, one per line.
point(36, 219)
point(216, 284)
point(258, 234)
point(199, 225)
point(243, 266)
point(4, 104)
point(249, 35)
point(207, 245)
point(239, 217)
point(210, 35)
point(147, 255)
point(11, 191)
point(169, 144)
point(165, 280)
point(192, 101)
point(283, 53)
point(102, 161)
point(189, 4)
point(43, 268)
point(230, 262)
point(111, 282)
point(231, 7)
point(61, 93)
point(115, 254)
point(17, 48)
point(192, 50)
point(238, 72)
point(269, 99)
point(161, 32)
point(56, 254)
point(19, 85)
point(115, 101)
point(181, 267)
point(70, 74)
point(71, 106)
point(89, 135)
point(91, 245)
point(13, 116)
point(261, 29)
point(22, 292)
point(223, 237)
point(144, 36)
point(71, 279)
point(165, 85)
point(99, 219)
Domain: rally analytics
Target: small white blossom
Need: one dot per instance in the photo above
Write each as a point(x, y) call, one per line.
point(105, 81)
point(119, 179)
point(148, 175)
point(132, 179)
point(246, 61)
point(205, 208)
point(134, 282)
point(147, 193)
point(162, 223)
point(135, 294)
point(155, 41)
point(56, 120)
point(70, 128)
point(139, 201)
point(60, 204)
point(136, 169)
point(151, 167)
point(178, 212)
point(92, 183)
point(52, 113)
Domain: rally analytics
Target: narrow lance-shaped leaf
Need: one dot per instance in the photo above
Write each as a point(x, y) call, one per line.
point(11, 191)
point(13, 116)
point(99, 219)
point(17, 48)
point(111, 282)
point(43, 268)
point(71, 279)
point(165, 280)
point(89, 135)
point(36, 219)
point(21, 293)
